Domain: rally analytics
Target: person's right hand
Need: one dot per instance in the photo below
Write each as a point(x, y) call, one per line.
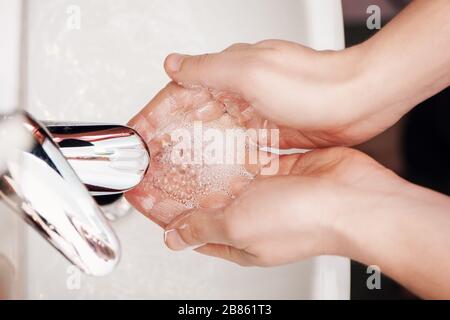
point(296, 214)
point(319, 94)
point(334, 201)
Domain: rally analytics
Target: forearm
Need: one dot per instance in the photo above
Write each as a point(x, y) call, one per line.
point(407, 235)
point(408, 61)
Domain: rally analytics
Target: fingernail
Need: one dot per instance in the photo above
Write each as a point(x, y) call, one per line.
point(173, 239)
point(174, 62)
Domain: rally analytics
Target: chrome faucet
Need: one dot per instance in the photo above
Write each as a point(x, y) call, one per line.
point(50, 183)
point(108, 159)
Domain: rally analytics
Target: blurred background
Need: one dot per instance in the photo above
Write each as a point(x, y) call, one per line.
point(416, 148)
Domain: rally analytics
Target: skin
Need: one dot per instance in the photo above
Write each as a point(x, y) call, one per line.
point(335, 200)
point(169, 110)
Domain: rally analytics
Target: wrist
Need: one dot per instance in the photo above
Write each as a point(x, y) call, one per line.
point(386, 221)
point(370, 96)
point(352, 94)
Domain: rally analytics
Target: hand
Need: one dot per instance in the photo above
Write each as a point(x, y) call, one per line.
point(317, 98)
point(168, 188)
point(292, 216)
point(334, 201)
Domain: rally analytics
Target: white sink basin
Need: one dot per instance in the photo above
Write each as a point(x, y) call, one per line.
point(106, 70)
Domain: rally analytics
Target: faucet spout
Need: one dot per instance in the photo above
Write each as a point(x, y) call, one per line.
point(108, 158)
point(42, 187)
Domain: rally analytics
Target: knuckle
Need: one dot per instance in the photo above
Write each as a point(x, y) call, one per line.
point(281, 46)
point(203, 60)
point(237, 46)
point(268, 43)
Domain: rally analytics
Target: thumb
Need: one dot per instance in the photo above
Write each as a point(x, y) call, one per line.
point(196, 227)
point(221, 71)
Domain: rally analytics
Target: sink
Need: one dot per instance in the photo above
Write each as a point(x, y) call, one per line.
point(102, 61)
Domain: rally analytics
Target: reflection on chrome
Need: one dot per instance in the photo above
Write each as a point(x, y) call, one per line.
point(42, 187)
point(108, 159)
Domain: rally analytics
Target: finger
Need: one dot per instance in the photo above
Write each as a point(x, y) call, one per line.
point(238, 47)
point(156, 114)
point(288, 163)
point(195, 228)
point(237, 185)
point(170, 105)
point(210, 111)
point(215, 200)
point(221, 71)
point(227, 253)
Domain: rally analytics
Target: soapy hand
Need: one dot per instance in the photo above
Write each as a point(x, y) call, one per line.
point(321, 202)
point(335, 201)
point(294, 215)
point(183, 178)
point(324, 98)
point(332, 201)
point(314, 96)
point(240, 214)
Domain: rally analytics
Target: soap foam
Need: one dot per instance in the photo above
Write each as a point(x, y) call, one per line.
point(190, 183)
